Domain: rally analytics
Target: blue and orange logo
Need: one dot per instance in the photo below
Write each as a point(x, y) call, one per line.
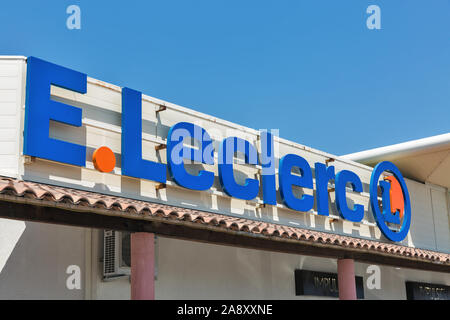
point(396, 204)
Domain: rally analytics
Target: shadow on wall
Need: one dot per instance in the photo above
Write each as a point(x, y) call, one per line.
point(35, 257)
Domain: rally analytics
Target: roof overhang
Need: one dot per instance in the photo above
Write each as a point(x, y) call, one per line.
point(423, 160)
point(44, 203)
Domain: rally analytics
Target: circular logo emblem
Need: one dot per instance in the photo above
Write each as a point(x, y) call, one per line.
point(395, 202)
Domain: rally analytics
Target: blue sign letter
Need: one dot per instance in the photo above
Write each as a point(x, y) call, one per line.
point(39, 110)
point(342, 178)
point(132, 163)
point(287, 180)
point(227, 149)
point(268, 168)
point(386, 201)
point(323, 175)
point(176, 152)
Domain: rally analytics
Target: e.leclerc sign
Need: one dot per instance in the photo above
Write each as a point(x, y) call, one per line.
point(40, 109)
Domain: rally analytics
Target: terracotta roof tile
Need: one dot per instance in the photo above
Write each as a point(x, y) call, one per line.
point(18, 188)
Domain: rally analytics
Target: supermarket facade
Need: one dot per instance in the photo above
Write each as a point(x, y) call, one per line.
point(107, 193)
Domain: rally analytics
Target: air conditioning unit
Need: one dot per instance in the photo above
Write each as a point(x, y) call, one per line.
point(117, 254)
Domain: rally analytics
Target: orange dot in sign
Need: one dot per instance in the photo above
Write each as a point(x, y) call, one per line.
point(104, 159)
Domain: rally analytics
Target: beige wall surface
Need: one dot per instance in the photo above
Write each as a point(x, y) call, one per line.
point(223, 272)
point(34, 258)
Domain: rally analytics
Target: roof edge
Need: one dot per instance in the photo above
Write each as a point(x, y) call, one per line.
point(31, 197)
point(6, 57)
point(404, 149)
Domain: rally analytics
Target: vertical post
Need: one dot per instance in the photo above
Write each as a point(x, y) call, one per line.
point(142, 266)
point(346, 279)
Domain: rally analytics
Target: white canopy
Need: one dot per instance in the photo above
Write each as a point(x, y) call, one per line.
point(424, 160)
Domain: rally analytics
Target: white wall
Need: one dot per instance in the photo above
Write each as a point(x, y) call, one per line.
point(191, 270)
point(393, 281)
point(12, 75)
point(429, 217)
point(35, 256)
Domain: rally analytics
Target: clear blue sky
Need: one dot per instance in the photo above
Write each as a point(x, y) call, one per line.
point(310, 68)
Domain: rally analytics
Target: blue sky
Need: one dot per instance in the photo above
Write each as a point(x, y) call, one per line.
point(310, 68)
